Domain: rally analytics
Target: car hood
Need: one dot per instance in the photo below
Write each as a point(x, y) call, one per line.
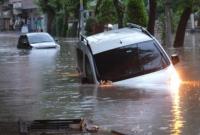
point(161, 78)
point(44, 45)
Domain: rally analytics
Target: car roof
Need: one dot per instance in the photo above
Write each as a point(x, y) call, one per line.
point(36, 33)
point(116, 38)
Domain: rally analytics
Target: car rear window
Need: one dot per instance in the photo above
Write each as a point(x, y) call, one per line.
point(40, 38)
point(130, 61)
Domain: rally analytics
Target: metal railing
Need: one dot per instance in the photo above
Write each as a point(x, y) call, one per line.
point(132, 25)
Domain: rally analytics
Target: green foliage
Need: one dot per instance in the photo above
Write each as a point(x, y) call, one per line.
point(46, 5)
point(59, 24)
point(136, 12)
point(160, 8)
point(177, 8)
point(60, 10)
point(2, 1)
point(107, 12)
point(57, 5)
point(179, 5)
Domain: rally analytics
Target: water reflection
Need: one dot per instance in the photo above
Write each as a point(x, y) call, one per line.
point(192, 84)
point(73, 101)
point(177, 115)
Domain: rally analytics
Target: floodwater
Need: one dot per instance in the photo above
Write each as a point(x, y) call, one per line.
point(44, 84)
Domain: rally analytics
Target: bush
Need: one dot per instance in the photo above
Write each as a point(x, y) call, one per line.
point(90, 26)
point(136, 12)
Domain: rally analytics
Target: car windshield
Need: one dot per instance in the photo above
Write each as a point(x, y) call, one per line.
point(130, 61)
point(39, 38)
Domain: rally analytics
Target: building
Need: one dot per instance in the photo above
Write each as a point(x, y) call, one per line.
point(17, 13)
point(5, 16)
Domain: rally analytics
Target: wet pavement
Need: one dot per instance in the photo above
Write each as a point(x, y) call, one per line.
point(43, 84)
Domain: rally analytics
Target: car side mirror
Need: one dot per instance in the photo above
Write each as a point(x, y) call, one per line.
point(175, 59)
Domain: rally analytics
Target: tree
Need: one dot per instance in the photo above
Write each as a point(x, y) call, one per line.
point(48, 7)
point(75, 15)
point(136, 12)
point(106, 13)
point(187, 7)
point(152, 16)
point(1, 1)
point(97, 6)
point(168, 23)
point(119, 7)
point(58, 13)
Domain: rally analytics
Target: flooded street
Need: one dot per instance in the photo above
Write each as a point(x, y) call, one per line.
point(44, 84)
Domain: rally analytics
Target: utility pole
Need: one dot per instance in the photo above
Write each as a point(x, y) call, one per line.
point(81, 17)
point(168, 27)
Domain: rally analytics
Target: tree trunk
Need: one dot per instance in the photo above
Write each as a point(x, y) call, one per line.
point(50, 15)
point(119, 10)
point(180, 33)
point(65, 24)
point(75, 30)
point(50, 18)
point(152, 16)
point(198, 24)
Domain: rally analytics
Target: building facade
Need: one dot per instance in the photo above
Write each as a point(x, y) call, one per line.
point(16, 13)
point(5, 15)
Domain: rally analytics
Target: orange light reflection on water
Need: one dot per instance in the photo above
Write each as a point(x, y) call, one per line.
point(177, 115)
point(177, 122)
point(190, 83)
point(67, 74)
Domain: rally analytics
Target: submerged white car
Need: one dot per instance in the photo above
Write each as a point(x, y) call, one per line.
point(36, 40)
point(128, 55)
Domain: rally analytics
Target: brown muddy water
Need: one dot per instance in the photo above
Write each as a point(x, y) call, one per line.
point(43, 84)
